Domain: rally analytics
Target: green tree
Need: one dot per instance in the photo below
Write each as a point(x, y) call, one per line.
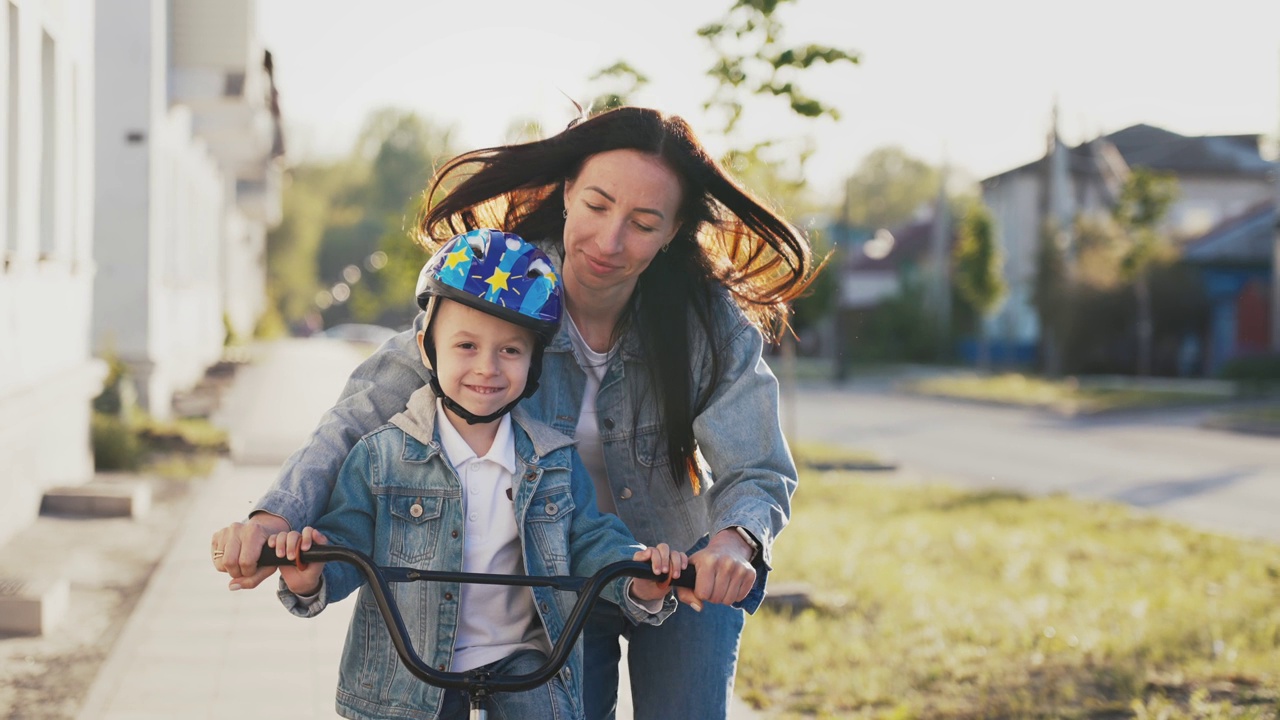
point(1145, 199)
point(339, 215)
point(1051, 297)
point(400, 150)
point(622, 81)
point(887, 188)
point(978, 278)
point(751, 60)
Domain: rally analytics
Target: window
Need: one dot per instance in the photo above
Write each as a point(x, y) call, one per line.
point(11, 147)
point(48, 148)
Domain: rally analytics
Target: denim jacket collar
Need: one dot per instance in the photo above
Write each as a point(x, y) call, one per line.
point(418, 421)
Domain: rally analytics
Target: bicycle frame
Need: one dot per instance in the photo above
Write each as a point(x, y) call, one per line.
point(478, 685)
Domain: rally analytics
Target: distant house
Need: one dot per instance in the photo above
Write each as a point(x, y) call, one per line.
point(1237, 264)
point(188, 150)
point(47, 376)
point(1219, 177)
point(876, 267)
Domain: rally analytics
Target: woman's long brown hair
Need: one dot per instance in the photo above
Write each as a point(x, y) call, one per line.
point(726, 239)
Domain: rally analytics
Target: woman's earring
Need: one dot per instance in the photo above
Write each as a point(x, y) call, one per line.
point(666, 247)
point(565, 214)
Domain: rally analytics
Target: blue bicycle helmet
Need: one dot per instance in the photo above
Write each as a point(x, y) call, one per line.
point(500, 274)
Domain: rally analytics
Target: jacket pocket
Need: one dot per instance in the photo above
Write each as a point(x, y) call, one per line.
point(548, 519)
point(415, 527)
point(663, 488)
point(651, 448)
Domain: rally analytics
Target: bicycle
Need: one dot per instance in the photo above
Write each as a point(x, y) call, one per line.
point(478, 684)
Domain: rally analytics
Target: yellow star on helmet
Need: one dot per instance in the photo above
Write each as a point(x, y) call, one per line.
point(499, 280)
point(455, 257)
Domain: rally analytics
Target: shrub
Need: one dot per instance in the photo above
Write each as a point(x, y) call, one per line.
point(116, 445)
point(1258, 371)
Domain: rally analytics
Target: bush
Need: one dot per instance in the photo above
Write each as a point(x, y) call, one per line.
point(1254, 371)
point(116, 445)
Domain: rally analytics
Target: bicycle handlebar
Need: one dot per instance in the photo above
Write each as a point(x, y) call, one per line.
point(472, 681)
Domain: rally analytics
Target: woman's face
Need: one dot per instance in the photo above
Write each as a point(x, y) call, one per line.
point(621, 210)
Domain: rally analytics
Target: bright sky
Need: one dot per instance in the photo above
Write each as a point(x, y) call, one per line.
point(969, 82)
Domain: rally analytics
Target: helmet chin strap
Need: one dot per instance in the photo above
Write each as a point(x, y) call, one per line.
point(465, 414)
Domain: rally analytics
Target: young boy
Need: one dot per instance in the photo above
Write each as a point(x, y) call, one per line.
point(461, 481)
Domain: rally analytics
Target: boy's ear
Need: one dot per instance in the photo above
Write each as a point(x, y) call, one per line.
point(422, 351)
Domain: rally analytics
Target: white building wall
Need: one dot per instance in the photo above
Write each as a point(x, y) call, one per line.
point(159, 223)
point(220, 76)
point(47, 377)
point(1014, 203)
point(1205, 201)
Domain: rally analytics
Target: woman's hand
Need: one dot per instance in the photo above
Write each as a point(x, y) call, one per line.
point(305, 580)
point(664, 560)
point(236, 549)
point(725, 574)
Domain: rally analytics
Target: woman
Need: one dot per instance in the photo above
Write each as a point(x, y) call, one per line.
point(673, 275)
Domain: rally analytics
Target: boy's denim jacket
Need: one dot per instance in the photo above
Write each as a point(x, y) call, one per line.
point(401, 465)
point(752, 474)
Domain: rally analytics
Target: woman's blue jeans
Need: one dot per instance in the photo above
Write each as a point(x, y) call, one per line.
point(681, 669)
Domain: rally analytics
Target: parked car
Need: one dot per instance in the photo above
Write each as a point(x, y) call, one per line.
point(360, 333)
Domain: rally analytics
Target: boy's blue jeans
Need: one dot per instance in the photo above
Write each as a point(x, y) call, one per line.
point(549, 700)
point(683, 668)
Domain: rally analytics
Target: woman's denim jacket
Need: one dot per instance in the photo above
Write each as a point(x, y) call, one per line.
point(752, 474)
point(401, 465)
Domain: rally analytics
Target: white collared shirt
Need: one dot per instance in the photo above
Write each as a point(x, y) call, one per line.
point(494, 621)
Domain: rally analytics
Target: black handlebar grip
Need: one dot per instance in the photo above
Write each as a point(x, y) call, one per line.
point(267, 558)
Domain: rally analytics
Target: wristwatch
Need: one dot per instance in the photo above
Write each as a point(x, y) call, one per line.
point(750, 540)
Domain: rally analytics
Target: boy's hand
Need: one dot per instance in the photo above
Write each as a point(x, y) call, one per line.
point(290, 545)
point(664, 560)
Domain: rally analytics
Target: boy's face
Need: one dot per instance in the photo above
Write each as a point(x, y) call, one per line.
point(482, 362)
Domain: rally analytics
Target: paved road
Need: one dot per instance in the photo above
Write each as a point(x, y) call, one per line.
point(1161, 462)
point(192, 649)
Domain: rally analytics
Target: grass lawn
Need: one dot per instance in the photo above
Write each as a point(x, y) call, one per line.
point(1259, 420)
point(939, 603)
point(1066, 395)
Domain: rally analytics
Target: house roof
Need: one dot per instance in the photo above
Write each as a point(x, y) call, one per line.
point(1247, 239)
point(911, 242)
point(1159, 149)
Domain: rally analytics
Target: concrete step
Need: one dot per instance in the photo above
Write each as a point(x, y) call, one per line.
point(33, 607)
point(99, 499)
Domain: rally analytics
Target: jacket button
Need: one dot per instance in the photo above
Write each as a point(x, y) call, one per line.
point(416, 510)
point(626, 493)
point(454, 533)
point(608, 423)
point(448, 596)
point(530, 476)
point(545, 608)
point(440, 667)
point(552, 508)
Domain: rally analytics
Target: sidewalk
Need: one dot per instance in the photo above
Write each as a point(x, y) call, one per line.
point(192, 649)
